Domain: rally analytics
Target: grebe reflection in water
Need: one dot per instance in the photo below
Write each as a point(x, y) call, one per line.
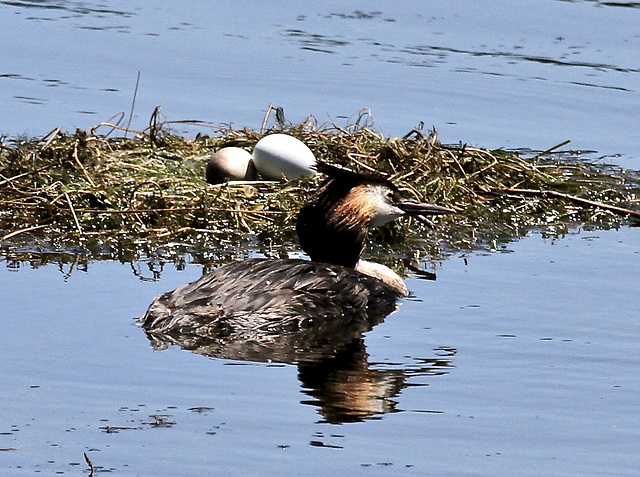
point(263, 297)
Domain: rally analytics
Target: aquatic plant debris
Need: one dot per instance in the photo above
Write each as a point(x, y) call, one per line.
point(109, 197)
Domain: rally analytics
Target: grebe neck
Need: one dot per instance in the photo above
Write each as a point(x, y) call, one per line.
point(333, 225)
point(383, 273)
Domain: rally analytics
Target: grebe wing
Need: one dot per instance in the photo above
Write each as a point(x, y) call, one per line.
point(266, 296)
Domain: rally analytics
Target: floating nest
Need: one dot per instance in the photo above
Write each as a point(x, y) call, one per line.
point(145, 195)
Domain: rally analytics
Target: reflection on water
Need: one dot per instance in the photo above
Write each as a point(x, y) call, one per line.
point(606, 3)
point(544, 341)
point(468, 69)
point(315, 41)
point(440, 53)
point(331, 357)
point(66, 9)
point(560, 53)
point(346, 387)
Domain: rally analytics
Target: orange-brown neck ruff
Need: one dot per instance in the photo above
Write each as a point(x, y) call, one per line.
point(334, 224)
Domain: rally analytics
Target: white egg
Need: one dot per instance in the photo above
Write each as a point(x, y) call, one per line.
point(280, 154)
point(230, 164)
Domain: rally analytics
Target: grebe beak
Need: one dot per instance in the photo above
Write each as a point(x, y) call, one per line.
point(418, 209)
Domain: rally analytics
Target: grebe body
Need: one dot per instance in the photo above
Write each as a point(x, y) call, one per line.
point(261, 297)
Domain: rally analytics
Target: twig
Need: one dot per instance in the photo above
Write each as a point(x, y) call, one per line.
point(361, 164)
point(573, 198)
point(133, 103)
point(90, 464)
point(73, 212)
point(265, 119)
point(107, 123)
point(75, 156)
point(279, 121)
point(186, 229)
point(40, 169)
point(416, 132)
point(21, 231)
point(180, 209)
point(52, 135)
point(551, 149)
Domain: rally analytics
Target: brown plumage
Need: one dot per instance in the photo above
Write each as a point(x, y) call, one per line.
point(259, 297)
point(334, 223)
point(256, 297)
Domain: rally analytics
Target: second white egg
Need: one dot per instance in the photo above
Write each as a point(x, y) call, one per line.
point(280, 154)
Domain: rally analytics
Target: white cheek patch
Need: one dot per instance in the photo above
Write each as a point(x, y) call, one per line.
point(383, 209)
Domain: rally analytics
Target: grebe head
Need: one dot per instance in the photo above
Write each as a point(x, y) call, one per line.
point(334, 223)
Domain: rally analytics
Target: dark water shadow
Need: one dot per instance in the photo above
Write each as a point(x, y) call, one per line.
point(68, 8)
point(601, 3)
point(333, 364)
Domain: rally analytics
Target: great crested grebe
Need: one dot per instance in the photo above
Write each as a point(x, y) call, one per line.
point(267, 296)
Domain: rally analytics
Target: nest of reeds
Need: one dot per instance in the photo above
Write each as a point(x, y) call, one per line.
point(124, 197)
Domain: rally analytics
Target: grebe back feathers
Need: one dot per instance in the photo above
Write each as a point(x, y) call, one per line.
point(261, 297)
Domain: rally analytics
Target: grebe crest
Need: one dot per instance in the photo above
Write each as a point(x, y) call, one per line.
point(260, 296)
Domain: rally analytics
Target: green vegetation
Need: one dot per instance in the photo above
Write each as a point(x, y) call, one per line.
point(145, 195)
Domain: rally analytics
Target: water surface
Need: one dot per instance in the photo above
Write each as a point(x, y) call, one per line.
point(525, 75)
point(522, 361)
point(519, 361)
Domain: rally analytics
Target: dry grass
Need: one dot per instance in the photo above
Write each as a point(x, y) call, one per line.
point(122, 197)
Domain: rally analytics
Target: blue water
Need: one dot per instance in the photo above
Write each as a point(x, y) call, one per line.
point(518, 362)
point(498, 74)
point(522, 361)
